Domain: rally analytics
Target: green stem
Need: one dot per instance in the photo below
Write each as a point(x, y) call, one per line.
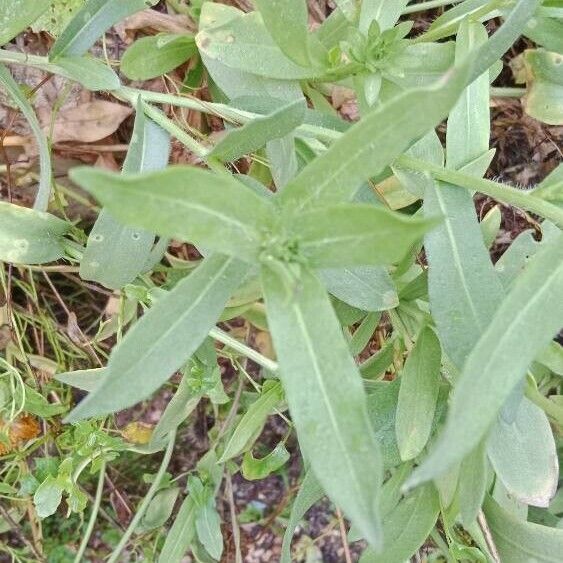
point(93, 515)
point(223, 337)
point(507, 92)
point(496, 190)
point(167, 124)
point(431, 4)
point(146, 501)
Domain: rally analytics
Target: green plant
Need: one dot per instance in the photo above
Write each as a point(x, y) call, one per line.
point(436, 448)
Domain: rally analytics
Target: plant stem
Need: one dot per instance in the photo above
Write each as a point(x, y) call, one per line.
point(158, 117)
point(93, 515)
point(507, 92)
point(146, 501)
point(496, 190)
point(420, 7)
point(221, 336)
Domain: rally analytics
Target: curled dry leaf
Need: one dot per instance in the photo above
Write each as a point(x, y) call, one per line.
point(89, 122)
point(17, 431)
point(154, 21)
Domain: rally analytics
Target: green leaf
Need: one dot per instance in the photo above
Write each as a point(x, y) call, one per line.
point(472, 483)
point(490, 225)
point(86, 379)
point(30, 237)
point(182, 404)
point(504, 37)
point(208, 527)
point(518, 255)
point(463, 287)
point(47, 497)
point(448, 22)
point(325, 394)
point(17, 15)
point(469, 121)
point(16, 94)
point(188, 203)
point(355, 235)
point(56, 18)
point(167, 52)
point(252, 422)
point(167, 335)
point(181, 534)
point(420, 384)
point(544, 98)
point(159, 510)
point(92, 73)
point(362, 335)
point(547, 32)
point(370, 145)
point(91, 22)
point(523, 325)
point(256, 133)
point(374, 366)
point(384, 12)
point(407, 527)
point(369, 288)
point(287, 23)
point(522, 542)
point(115, 254)
point(309, 493)
point(523, 454)
point(244, 43)
point(253, 469)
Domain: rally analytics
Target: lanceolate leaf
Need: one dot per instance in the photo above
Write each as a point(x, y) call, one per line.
point(355, 235)
point(167, 335)
point(407, 526)
point(524, 456)
point(30, 237)
point(420, 384)
point(188, 203)
point(522, 542)
point(256, 133)
point(11, 86)
point(116, 254)
point(463, 286)
point(16, 15)
point(286, 21)
point(91, 22)
point(369, 288)
point(370, 145)
point(181, 534)
point(92, 73)
point(325, 394)
point(529, 316)
point(384, 12)
point(252, 422)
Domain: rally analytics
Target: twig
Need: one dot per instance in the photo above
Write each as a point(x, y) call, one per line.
point(234, 523)
point(482, 521)
point(17, 530)
point(146, 501)
point(93, 516)
point(343, 536)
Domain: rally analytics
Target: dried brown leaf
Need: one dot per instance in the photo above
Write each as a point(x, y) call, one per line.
point(88, 122)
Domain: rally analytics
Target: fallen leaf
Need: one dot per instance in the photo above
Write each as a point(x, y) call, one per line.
point(137, 433)
point(154, 21)
point(88, 122)
point(17, 431)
